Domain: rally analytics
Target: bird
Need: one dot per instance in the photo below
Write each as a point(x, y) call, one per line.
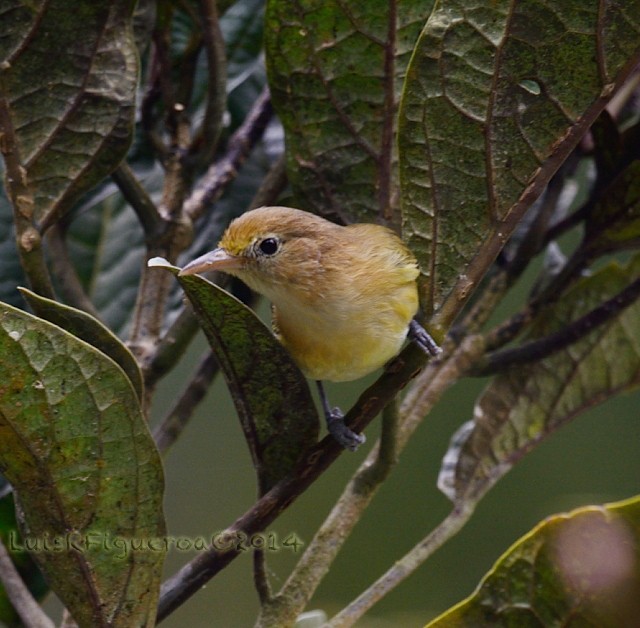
point(344, 297)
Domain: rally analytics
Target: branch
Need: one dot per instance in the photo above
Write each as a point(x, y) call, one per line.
point(403, 568)
point(19, 595)
point(220, 174)
point(188, 580)
point(28, 238)
point(177, 418)
point(282, 609)
point(65, 273)
point(539, 349)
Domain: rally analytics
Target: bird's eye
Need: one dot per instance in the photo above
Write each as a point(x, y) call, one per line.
point(269, 246)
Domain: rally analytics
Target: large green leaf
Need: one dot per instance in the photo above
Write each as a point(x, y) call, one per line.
point(270, 393)
point(335, 72)
point(497, 95)
point(578, 569)
point(527, 403)
point(92, 331)
point(75, 446)
point(66, 118)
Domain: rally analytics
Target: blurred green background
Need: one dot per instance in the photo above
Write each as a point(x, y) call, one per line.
point(210, 483)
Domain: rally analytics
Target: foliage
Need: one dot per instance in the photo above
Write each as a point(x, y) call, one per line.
point(488, 133)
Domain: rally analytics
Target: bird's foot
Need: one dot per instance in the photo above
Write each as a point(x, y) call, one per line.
point(346, 437)
point(423, 339)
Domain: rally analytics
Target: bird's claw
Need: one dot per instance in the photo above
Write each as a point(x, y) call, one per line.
point(346, 437)
point(423, 339)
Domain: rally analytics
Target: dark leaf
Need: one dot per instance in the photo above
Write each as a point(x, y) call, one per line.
point(76, 448)
point(578, 569)
point(496, 97)
point(270, 393)
point(335, 71)
point(526, 404)
point(68, 123)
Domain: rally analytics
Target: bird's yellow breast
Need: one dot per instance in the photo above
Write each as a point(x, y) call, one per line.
point(350, 313)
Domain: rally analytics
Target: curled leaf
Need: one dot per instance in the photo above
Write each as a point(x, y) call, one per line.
point(90, 330)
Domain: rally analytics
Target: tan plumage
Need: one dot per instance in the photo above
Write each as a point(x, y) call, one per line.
point(343, 296)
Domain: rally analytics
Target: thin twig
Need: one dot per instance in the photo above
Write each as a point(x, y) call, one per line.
point(220, 174)
point(260, 578)
point(182, 585)
point(28, 237)
point(403, 568)
point(172, 346)
point(544, 347)
point(283, 608)
point(272, 185)
point(168, 431)
point(65, 273)
point(19, 595)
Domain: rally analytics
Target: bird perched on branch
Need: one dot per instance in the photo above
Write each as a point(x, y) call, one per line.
point(344, 297)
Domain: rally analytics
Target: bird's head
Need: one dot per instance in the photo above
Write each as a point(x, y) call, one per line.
point(273, 250)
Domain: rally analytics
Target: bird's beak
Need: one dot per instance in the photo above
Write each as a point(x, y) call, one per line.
point(218, 259)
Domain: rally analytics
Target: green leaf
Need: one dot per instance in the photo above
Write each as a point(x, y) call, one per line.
point(526, 404)
point(75, 446)
point(335, 71)
point(92, 331)
point(578, 569)
point(270, 393)
point(66, 123)
point(496, 97)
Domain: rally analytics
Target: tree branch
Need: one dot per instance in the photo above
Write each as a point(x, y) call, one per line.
point(146, 210)
point(538, 349)
point(19, 595)
point(28, 237)
point(188, 580)
point(403, 568)
point(221, 173)
point(169, 430)
point(206, 138)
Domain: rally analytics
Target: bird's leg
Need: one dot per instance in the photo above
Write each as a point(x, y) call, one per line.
point(335, 424)
point(423, 339)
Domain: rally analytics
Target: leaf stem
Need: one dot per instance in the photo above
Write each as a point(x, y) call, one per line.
point(65, 273)
point(140, 201)
point(168, 431)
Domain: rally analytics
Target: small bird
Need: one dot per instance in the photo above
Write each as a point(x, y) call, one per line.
point(344, 297)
